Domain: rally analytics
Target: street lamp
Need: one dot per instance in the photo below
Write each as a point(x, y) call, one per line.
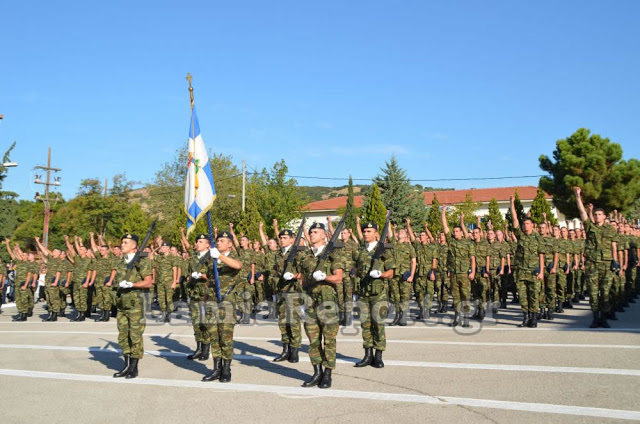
point(10, 164)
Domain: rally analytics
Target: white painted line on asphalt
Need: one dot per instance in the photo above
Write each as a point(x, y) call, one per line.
point(418, 364)
point(352, 340)
point(306, 394)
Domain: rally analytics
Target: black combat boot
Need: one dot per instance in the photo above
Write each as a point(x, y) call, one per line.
point(396, 319)
point(24, 317)
point(525, 319)
point(48, 318)
point(133, 368)
point(54, 316)
point(503, 304)
point(603, 320)
point(225, 375)
point(342, 320)
point(81, 317)
point(456, 319)
point(550, 314)
point(403, 319)
point(596, 320)
point(63, 313)
point(162, 318)
point(315, 378)
point(197, 353)
point(286, 350)
point(30, 313)
point(206, 348)
point(17, 317)
point(377, 360)
point(167, 317)
point(481, 315)
point(421, 313)
point(293, 355)
point(533, 322)
point(217, 370)
point(125, 370)
point(106, 316)
point(367, 360)
point(326, 379)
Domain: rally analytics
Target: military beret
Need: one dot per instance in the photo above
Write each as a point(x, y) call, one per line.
point(225, 234)
point(201, 237)
point(370, 225)
point(166, 243)
point(286, 233)
point(130, 236)
point(316, 225)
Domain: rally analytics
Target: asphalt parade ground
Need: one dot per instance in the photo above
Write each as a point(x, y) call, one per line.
point(494, 372)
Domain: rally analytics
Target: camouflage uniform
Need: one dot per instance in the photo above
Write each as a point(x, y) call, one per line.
point(527, 266)
point(564, 247)
point(258, 286)
point(399, 287)
point(130, 303)
point(423, 287)
point(631, 275)
point(22, 296)
point(245, 291)
point(442, 276)
point(321, 320)
point(480, 285)
point(372, 296)
point(221, 316)
point(34, 268)
point(290, 299)
point(80, 293)
point(196, 289)
point(497, 252)
point(598, 257)
point(547, 297)
point(345, 289)
point(459, 263)
point(165, 265)
point(104, 267)
point(54, 266)
point(64, 284)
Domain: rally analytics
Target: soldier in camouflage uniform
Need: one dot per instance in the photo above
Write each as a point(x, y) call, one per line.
point(66, 268)
point(52, 279)
point(261, 264)
point(401, 284)
point(22, 280)
point(481, 285)
point(270, 247)
point(617, 286)
point(425, 280)
point(564, 265)
point(547, 297)
point(442, 274)
point(345, 289)
point(374, 275)
point(497, 261)
point(199, 265)
point(461, 262)
point(320, 278)
point(246, 288)
point(631, 274)
point(166, 280)
point(220, 315)
point(81, 276)
point(130, 302)
point(600, 253)
point(529, 267)
point(104, 276)
point(289, 297)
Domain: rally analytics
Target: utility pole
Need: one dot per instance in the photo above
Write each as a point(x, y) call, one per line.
point(244, 180)
point(45, 199)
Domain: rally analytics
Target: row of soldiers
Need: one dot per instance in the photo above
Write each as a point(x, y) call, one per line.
point(475, 269)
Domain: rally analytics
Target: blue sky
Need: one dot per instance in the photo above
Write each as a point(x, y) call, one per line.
point(454, 89)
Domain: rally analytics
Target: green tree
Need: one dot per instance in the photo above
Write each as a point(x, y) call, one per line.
point(249, 222)
point(136, 221)
point(350, 220)
point(434, 217)
point(373, 209)
point(398, 194)
point(540, 207)
point(496, 218)
point(519, 211)
point(5, 159)
point(595, 164)
point(468, 207)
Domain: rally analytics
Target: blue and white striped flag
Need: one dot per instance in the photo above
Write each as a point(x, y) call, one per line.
point(199, 189)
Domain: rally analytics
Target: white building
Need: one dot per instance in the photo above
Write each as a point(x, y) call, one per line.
point(320, 210)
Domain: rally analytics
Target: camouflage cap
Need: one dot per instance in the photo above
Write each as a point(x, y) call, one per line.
point(286, 233)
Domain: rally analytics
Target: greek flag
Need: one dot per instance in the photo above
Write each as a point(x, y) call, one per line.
point(199, 190)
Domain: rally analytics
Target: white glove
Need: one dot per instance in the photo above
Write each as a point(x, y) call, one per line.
point(196, 275)
point(214, 252)
point(287, 276)
point(124, 284)
point(375, 273)
point(319, 276)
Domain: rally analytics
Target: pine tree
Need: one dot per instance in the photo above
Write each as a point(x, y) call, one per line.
point(496, 218)
point(541, 206)
point(374, 209)
point(433, 217)
point(350, 220)
point(398, 194)
point(519, 211)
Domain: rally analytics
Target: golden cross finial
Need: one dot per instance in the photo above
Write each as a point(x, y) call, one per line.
point(189, 78)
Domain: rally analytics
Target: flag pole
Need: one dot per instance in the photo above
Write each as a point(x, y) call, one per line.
point(211, 240)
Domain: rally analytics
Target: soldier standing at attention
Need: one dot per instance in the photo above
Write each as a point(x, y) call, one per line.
point(461, 262)
point(166, 269)
point(52, 279)
point(320, 278)
point(529, 267)
point(564, 265)
point(496, 268)
point(402, 282)
point(220, 316)
point(81, 276)
point(372, 295)
point(346, 289)
point(22, 279)
point(130, 303)
point(290, 301)
point(427, 264)
point(270, 247)
point(199, 265)
point(600, 253)
point(443, 275)
point(482, 284)
point(547, 296)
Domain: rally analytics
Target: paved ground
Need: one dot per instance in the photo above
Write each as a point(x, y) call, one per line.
point(560, 372)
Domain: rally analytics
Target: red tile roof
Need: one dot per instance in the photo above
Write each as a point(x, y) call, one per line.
point(450, 197)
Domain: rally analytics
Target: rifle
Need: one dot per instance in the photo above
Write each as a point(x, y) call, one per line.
point(380, 248)
point(294, 249)
point(138, 254)
point(333, 243)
